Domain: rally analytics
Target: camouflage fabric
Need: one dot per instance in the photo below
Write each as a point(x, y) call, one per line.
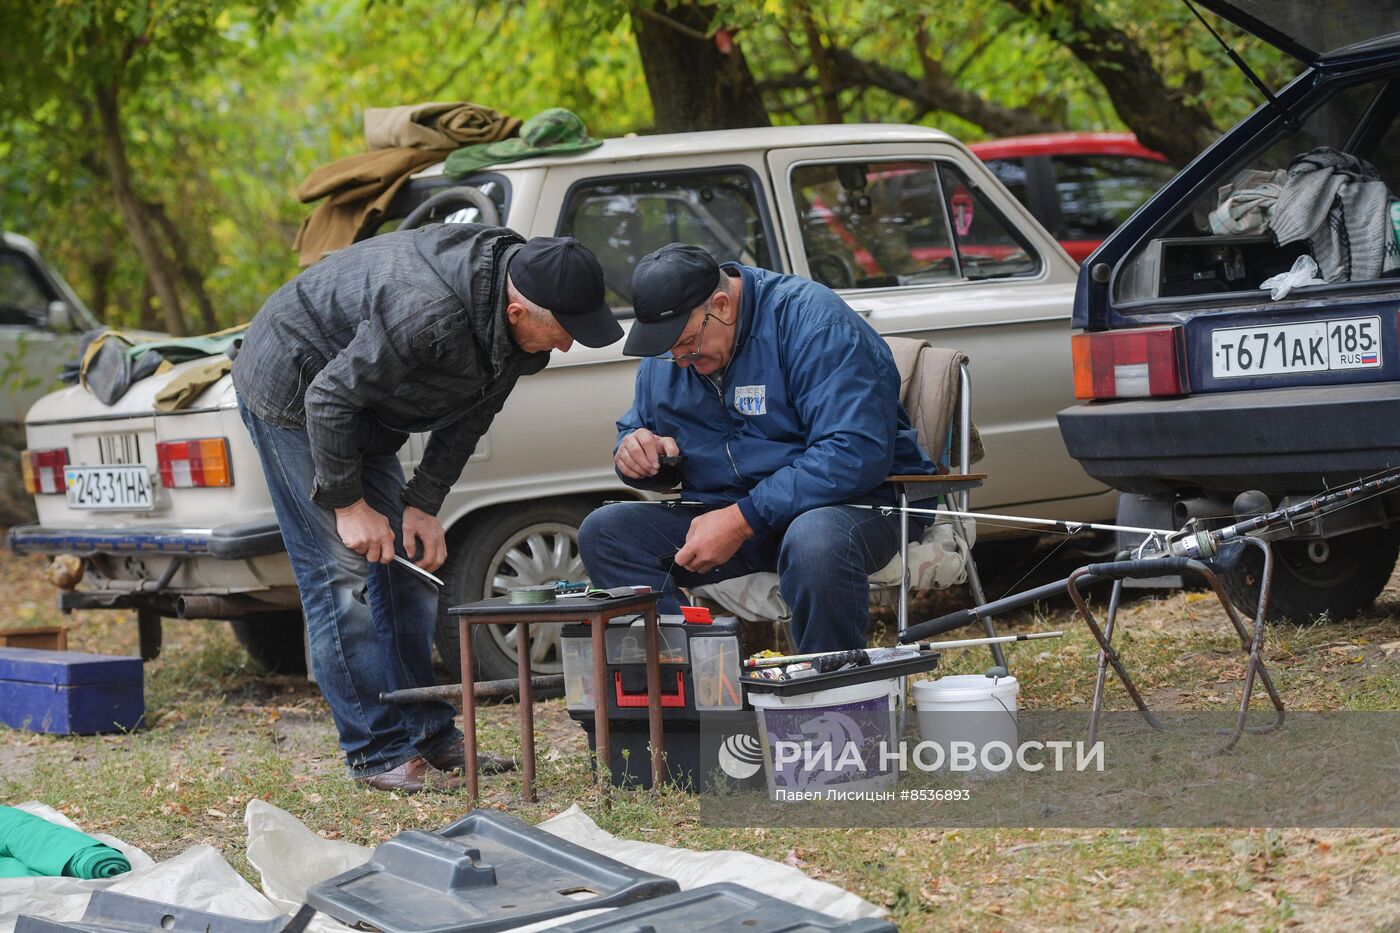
point(554, 131)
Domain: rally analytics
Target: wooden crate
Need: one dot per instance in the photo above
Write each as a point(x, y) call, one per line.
point(44, 638)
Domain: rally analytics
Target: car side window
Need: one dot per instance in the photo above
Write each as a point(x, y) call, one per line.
point(1251, 222)
point(888, 224)
point(1098, 192)
point(621, 219)
point(24, 299)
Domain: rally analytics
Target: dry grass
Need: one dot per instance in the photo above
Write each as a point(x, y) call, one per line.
point(221, 733)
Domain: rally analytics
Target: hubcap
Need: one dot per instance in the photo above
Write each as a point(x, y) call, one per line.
point(535, 556)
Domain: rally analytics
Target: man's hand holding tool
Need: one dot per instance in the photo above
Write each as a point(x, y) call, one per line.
point(368, 533)
point(639, 455)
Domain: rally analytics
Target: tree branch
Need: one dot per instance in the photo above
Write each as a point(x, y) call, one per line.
point(939, 92)
point(1162, 116)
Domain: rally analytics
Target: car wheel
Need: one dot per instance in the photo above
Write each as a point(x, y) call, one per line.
point(1316, 580)
point(525, 545)
point(274, 640)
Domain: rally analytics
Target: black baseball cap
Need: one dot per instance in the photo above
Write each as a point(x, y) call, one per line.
point(667, 285)
point(561, 275)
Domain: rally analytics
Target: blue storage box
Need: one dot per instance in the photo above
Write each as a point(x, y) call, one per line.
point(69, 692)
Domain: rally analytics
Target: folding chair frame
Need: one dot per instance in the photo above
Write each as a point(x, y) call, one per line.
point(958, 487)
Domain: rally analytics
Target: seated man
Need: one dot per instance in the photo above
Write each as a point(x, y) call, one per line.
point(786, 412)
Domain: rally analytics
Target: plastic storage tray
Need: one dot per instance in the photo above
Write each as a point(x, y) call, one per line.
point(843, 678)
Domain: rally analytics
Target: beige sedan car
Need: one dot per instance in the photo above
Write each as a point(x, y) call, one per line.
point(912, 230)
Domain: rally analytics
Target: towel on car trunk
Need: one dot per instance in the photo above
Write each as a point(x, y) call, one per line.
point(1337, 203)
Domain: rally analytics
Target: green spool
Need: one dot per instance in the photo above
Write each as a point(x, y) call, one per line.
point(531, 595)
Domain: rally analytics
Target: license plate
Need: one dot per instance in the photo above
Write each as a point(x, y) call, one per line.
point(119, 449)
point(1317, 346)
point(122, 488)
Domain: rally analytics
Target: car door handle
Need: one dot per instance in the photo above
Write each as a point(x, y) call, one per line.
point(863, 312)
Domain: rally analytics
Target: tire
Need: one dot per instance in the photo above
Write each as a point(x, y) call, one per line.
point(516, 545)
point(1354, 569)
point(274, 640)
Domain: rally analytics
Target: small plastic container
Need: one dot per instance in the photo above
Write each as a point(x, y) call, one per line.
point(969, 708)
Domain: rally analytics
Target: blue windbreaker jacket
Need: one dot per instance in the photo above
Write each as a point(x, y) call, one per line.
point(808, 416)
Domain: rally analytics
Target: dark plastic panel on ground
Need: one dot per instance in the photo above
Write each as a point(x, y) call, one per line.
point(487, 871)
point(721, 908)
point(110, 912)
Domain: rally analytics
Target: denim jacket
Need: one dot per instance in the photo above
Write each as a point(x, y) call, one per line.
point(398, 334)
point(807, 413)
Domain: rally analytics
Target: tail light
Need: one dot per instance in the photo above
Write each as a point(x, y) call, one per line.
point(201, 462)
point(43, 470)
point(1138, 363)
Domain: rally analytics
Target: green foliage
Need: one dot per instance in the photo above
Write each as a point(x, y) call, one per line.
point(228, 104)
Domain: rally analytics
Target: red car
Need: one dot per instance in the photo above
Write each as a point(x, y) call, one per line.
point(1081, 186)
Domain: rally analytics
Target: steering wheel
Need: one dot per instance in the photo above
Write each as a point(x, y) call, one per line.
point(831, 269)
point(453, 199)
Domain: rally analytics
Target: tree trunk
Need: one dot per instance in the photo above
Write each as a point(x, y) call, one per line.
point(193, 280)
point(100, 274)
point(693, 85)
point(1161, 116)
point(134, 217)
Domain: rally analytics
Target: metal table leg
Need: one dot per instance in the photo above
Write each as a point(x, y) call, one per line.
point(527, 711)
point(658, 749)
point(600, 702)
point(464, 637)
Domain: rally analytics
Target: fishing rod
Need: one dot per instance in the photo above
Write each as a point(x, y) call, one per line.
point(1175, 548)
point(1055, 524)
point(867, 655)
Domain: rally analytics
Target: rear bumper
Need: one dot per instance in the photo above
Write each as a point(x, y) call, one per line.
point(1276, 440)
point(227, 542)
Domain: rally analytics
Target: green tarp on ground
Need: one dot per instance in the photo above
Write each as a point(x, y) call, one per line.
point(30, 846)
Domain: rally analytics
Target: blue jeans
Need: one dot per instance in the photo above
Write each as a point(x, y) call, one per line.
point(370, 626)
point(823, 561)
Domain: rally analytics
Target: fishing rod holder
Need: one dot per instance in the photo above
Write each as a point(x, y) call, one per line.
point(1251, 640)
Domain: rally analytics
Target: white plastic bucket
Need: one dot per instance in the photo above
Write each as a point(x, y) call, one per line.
point(828, 740)
point(970, 709)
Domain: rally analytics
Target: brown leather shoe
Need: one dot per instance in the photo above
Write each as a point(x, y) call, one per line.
point(414, 775)
point(454, 760)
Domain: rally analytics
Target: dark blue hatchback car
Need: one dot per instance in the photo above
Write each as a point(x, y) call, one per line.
point(1199, 381)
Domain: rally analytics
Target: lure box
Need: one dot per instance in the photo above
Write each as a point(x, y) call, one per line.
point(700, 694)
point(69, 692)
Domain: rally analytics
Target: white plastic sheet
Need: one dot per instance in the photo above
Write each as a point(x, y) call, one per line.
point(291, 858)
point(197, 878)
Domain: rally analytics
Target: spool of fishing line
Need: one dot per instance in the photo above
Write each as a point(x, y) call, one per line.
point(532, 595)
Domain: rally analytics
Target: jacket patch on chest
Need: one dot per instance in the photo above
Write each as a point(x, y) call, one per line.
point(751, 400)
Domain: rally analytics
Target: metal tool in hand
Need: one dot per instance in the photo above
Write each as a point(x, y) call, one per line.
point(418, 570)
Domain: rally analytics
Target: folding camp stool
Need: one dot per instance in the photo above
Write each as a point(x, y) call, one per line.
point(1251, 642)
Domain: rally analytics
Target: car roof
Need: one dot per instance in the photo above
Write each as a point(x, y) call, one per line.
point(1314, 30)
point(23, 243)
point(1011, 147)
point(627, 148)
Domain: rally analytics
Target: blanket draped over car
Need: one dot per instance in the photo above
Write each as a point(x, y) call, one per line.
point(401, 141)
point(109, 362)
point(1337, 203)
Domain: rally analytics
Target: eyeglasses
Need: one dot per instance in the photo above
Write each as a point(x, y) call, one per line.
point(694, 356)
